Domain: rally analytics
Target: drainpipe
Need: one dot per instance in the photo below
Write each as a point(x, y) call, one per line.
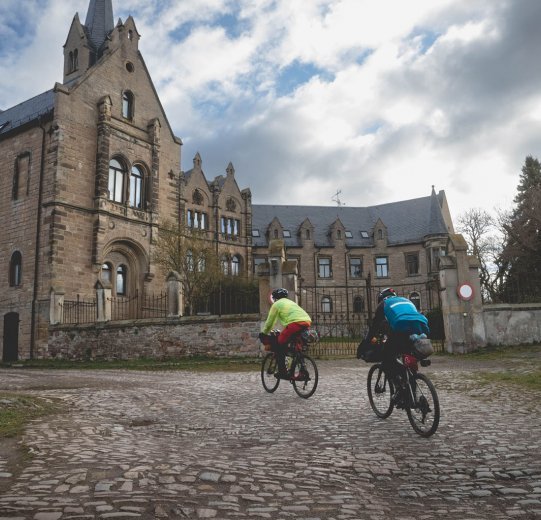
point(37, 243)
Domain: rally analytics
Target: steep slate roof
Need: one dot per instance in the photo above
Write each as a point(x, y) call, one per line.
point(99, 21)
point(407, 221)
point(26, 111)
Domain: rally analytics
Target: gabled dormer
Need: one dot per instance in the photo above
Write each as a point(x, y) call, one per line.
point(77, 51)
point(275, 230)
point(196, 189)
point(380, 234)
point(306, 231)
point(86, 43)
point(337, 233)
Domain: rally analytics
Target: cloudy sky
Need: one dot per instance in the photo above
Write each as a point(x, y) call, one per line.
point(377, 99)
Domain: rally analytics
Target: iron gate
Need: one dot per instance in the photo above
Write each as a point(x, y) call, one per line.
point(342, 314)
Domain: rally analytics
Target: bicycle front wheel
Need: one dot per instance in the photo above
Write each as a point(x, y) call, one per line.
point(268, 368)
point(304, 376)
point(380, 390)
point(424, 412)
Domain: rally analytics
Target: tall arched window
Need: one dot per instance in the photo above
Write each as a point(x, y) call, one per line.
point(235, 265)
point(136, 188)
point(75, 60)
point(116, 181)
point(127, 104)
point(15, 269)
point(415, 298)
point(189, 260)
point(224, 262)
point(358, 304)
point(121, 280)
point(326, 304)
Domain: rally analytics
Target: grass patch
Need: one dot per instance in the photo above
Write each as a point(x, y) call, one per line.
point(530, 380)
point(203, 364)
point(497, 353)
point(17, 410)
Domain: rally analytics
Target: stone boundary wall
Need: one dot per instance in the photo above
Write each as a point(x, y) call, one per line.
point(214, 336)
point(512, 324)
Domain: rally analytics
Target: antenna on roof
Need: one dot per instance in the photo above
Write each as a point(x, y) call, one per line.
point(336, 198)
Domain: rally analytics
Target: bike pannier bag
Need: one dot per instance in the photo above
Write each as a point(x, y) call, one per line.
point(422, 348)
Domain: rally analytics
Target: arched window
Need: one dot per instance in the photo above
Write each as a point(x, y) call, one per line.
point(75, 63)
point(136, 188)
point(275, 233)
point(189, 260)
point(326, 304)
point(127, 104)
point(130, 35)
point(358, 304)
point(15, 269)
point(116, 181)
point(121, 280)
point(380, 234)
point(415, 298)
point(307, 234)
point(224, 262)
point(235, 265)
point(107, 273)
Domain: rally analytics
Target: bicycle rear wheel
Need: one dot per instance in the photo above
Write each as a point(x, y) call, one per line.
point(268, 368)
point(304, 376)
point(380, 391)
point(424, 413)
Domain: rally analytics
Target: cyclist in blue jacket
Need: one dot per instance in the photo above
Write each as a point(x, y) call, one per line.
point(398, 319)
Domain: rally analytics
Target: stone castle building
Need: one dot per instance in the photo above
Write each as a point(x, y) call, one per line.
point(91, 169)
point(340, 251)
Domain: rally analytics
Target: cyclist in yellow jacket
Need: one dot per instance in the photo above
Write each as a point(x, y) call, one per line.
point(293, 318)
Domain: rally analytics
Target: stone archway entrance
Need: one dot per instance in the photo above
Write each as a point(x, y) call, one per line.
point(11, 337)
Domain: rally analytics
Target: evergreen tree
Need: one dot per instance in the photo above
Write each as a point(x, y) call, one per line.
point(523, 248)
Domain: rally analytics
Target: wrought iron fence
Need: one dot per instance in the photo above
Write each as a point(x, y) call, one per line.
point(139, 306)
point(75, 312)
point(342, 314)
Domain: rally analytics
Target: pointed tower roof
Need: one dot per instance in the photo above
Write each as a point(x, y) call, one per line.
point(99, 21)
point(436, 222)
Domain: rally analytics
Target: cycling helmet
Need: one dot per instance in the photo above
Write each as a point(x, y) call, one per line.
point(386, 293)
point(277, 294)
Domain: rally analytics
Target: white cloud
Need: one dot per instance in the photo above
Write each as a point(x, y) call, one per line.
point(407, 94)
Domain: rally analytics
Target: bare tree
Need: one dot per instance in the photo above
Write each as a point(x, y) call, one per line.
point(486, 238)
point(188, 252)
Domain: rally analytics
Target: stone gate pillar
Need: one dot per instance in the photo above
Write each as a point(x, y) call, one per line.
point(56, 306)
point(174, 296)
point(461, 302)
point(103, 302)
point(275, 273)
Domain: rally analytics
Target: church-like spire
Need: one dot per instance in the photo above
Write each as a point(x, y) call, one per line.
point(99, 21)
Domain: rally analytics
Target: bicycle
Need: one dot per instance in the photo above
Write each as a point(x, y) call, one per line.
point(302, 370)
point(409, 390)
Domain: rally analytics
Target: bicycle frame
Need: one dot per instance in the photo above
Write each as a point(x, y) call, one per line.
point(409, 390)
point(302, 370)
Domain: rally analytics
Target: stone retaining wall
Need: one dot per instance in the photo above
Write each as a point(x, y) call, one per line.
point(512, 324)
point(154, 338)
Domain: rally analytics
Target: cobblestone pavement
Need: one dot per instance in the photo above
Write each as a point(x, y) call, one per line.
point(158, 445)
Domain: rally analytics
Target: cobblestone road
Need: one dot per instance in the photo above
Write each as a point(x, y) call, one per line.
point(216, 445)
